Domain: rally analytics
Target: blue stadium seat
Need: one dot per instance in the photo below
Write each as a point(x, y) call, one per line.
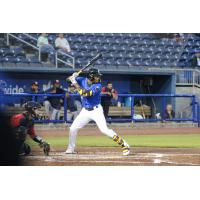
point(8, 59)
point(33, 60)
point(8, 53)
point(128, 62)
point(52, 38)
point(110, 61)
point(21, 59)
point(4, 50)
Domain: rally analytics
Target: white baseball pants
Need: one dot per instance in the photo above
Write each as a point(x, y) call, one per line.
point(84, 118)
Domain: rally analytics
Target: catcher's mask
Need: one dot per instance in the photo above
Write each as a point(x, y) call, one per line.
point(92, 73)
point(31, 107)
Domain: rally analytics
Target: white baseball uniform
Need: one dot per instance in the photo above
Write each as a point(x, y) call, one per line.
point(92, 110)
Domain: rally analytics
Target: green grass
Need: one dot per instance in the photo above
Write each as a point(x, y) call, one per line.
point(177, 141)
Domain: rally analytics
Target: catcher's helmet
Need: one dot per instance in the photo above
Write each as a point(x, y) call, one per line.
point(93, 73)
point(31, 106)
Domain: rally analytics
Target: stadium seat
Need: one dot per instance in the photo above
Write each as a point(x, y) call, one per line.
point(8, 59)
point(8, 53)
point(21, 59)
point(33, 60)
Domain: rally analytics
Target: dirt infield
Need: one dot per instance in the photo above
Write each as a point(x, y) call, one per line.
point(104, 156)
point(112, 156)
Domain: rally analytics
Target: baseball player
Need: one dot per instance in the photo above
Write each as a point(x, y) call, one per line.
point(90, 90)
point(53, 104)
point(23, 124)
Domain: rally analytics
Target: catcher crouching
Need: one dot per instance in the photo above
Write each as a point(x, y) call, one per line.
point(23, 124)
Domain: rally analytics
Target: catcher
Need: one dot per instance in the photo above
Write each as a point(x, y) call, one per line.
point(23, 124)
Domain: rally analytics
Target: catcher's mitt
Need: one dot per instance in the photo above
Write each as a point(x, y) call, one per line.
point(46, 148)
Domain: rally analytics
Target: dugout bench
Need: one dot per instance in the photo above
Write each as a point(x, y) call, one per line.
point(121, 112)
point(114, 111)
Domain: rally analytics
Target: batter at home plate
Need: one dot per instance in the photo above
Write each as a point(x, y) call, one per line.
point(90, 90)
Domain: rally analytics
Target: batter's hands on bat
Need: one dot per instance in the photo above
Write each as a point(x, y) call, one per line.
point(75, 74)
point(72, 79)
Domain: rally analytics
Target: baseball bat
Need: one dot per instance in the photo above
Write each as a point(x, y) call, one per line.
point(91, 62)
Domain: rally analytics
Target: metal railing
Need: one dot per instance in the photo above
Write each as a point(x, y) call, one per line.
point(30, 36)
point(188, 77)
point(57, 59)
point(23, 41)
point(62, 61)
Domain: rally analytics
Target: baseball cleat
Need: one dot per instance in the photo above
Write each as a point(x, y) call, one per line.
point(70, 151)
point(126, 150)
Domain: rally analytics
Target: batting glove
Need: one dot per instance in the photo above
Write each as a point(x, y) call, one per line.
point(75, 74)
point(73, 79)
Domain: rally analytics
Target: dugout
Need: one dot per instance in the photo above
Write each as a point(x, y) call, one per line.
point(133, 82)
point(129, 82)
point(145, 83)
point(125, 83)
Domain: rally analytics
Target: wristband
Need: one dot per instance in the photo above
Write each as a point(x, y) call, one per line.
point(38, 139)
